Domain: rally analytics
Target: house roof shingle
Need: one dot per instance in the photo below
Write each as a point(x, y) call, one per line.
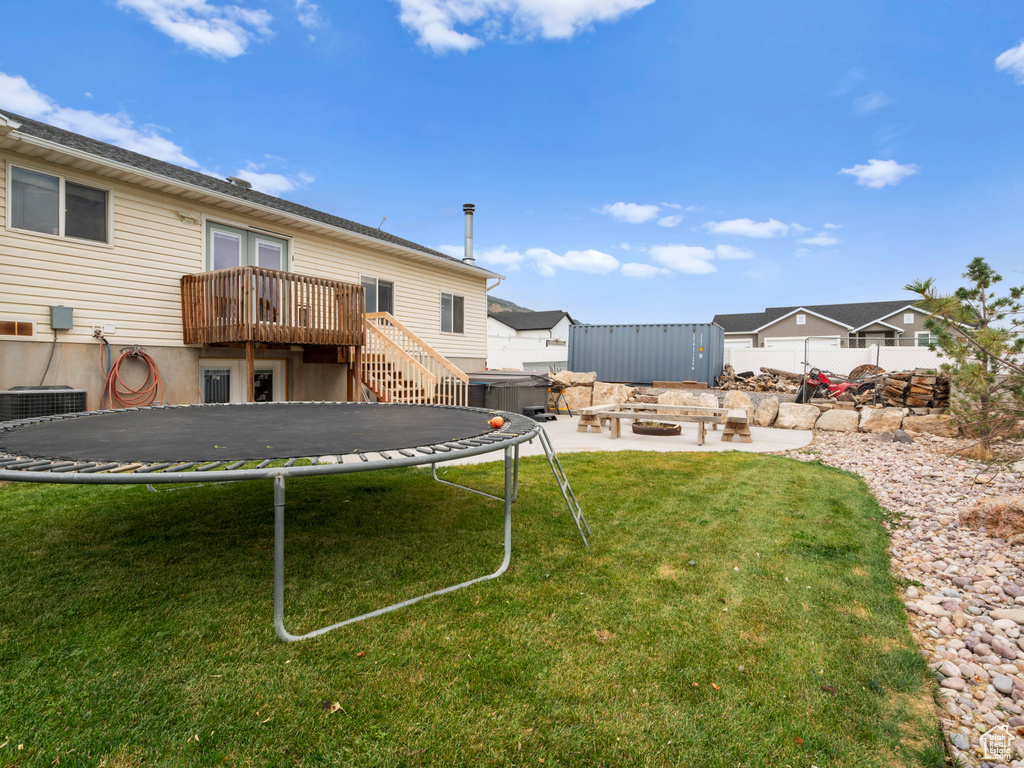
point(853, 315)
point(531, 321)
point(173, 172)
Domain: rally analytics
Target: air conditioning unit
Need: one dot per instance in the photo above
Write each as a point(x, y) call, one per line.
point(31, 402)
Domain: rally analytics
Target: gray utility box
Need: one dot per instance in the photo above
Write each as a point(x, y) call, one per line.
point(32, 402)
point(62, 318)
point(642, 354)
point(512, 391)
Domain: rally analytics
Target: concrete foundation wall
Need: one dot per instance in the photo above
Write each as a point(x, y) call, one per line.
point(22, 363)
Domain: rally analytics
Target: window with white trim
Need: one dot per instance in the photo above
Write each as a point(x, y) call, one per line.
point(453, 313)
point(801, 319)
point(51, 204)
point(908, 318)
point(926, 339)
point(380, 294)
point(228, 247)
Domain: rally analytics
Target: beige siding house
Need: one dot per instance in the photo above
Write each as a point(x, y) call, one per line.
point(110, 234)
point(884, 323)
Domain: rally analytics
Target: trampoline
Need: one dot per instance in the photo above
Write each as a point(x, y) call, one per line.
point(235, 442)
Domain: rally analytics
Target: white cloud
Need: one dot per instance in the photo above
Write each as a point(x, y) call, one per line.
point(673, 205)
point(624, 247)
point(871, 103)
point(631, 213)
point(880, 173)
point(732, 252)
point(822, 238)
point(850, 80)
point(748, 228)
point(692, 208)
point(833, 226)
point(589, 261)
point(308, 14)
point(18, 96)
point(643, 271)
point(1012, 61)
point(435, 21)
point(222, 31)
point(798, 228)
point(670, 221)
point(689, 259)
point(510, 260)
point(272, 183)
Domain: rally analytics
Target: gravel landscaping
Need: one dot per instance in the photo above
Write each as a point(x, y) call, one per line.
point(963, 590)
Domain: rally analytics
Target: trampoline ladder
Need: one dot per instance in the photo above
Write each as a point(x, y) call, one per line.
point(563, 485)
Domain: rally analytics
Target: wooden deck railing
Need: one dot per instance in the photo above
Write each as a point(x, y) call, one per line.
point(450, 384)
point(245, 304)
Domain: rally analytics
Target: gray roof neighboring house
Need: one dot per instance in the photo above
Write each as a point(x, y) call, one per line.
point(531, 321)
point(99, 149)
point(852, 315)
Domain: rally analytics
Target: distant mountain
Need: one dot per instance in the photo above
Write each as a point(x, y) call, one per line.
point(494, 304)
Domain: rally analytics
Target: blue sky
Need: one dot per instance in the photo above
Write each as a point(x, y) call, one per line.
point(630, 160)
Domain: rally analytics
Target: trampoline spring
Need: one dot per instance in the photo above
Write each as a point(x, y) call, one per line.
point(290, 462)
point(208, 467)
point(407, 454)
point(236, 465)
point(98, 468)
point(23, 463)
point(362, 456)
point(52, 467)
point(264, 463)
point(181, 467)
point(424, 449)
point(79, 467)
point(152, 468)
point(385, 455)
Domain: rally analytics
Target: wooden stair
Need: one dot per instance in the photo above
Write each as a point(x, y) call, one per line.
point(399, 367)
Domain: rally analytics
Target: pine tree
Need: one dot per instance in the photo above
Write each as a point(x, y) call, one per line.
point(981, 335)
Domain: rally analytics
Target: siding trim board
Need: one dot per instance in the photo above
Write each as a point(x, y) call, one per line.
point(801, 310)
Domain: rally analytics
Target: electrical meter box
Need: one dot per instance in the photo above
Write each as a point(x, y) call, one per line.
point(61, 318)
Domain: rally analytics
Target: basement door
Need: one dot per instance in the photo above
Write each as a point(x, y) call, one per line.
point(223, 381)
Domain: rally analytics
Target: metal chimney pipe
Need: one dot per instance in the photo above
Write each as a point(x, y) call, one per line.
point(468, 209)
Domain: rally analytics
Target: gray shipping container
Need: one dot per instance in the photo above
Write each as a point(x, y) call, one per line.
point(641, 354)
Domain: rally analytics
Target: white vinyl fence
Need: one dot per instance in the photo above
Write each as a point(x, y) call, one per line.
point(840, 361)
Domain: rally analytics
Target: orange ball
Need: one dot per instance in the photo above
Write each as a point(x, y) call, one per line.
point(496, 422)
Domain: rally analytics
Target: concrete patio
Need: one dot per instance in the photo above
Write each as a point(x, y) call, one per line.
point(566, 439)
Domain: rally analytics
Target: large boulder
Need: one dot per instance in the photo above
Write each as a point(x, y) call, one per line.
point(881, 419)
point(936, 424)
point(611, 393)
point(563, 377)
point(838, 420)
point(735, 399)
point(1000, 516)
point(766, 411)
point(579, 397)
point(577, 379)
point(795, 416)
point(684, 397)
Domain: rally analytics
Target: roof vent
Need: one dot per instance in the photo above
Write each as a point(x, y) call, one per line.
point(240, 182)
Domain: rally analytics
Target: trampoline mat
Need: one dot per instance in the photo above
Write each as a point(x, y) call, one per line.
point(244, 432)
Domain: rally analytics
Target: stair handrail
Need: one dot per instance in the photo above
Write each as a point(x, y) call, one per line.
point(426, 381)
point(455, 391)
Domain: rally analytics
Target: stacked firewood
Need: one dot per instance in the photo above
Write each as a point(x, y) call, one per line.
point(915, 389)
point(767, 381)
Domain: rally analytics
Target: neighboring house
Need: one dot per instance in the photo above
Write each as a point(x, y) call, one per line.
point(883, 323)
point(214, 279)
point(528, 341)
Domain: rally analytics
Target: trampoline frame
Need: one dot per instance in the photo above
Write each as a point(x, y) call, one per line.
point(517, 430)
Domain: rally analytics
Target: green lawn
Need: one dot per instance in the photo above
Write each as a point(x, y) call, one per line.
point(135, 628)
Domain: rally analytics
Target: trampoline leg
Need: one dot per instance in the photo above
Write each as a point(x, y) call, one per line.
point(279, 561)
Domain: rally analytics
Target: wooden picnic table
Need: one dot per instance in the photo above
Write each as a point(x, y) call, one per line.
point(615, 412)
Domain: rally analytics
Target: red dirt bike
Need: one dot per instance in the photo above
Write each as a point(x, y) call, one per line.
point(818, 384)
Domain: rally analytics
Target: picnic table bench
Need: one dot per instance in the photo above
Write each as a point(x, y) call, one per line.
point(594, 416)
